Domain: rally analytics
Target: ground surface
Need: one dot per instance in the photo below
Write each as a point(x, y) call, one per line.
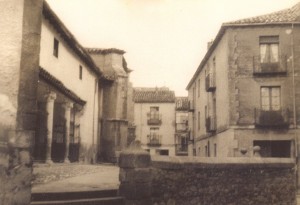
point(74, 177)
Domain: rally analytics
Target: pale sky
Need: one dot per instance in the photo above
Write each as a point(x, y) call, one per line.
point(164, 40)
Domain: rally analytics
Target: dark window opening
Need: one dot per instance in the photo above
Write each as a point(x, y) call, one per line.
point(274, 148)
point(55, 47)
point(164, 152)
point(80, 72)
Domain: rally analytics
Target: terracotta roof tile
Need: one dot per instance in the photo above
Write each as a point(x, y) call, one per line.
point(282, 16)
point(153, 95)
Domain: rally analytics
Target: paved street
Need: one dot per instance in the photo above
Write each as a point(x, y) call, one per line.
point(74, 177)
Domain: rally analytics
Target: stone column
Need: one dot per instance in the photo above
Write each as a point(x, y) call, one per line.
point(135, 175)
point(49, 109)
point(67, 106)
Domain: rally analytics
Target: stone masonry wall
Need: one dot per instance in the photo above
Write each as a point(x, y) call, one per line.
point(20, 44)
point(226, 181)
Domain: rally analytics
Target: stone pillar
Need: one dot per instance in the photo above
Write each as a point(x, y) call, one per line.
point(49, 109)
point(20, 36)
point(67, 106)
point(135, 175)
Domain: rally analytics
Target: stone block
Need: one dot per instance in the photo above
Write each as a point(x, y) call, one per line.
point(138, 175)
point(138, 159)
point(133, 191)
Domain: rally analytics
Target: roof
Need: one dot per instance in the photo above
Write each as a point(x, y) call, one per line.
point(284, 17)
point(153, 95)
point(71, 40)
point(43, 74)
point(182, 104)
point(105, 51)
point(115, 71)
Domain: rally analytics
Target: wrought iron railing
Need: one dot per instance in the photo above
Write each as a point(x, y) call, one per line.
point(154, 140)
point(261, 68)
point(210, 82)
point(181, 149)
point(272, 118)
point(154, 118)
point(211, 124)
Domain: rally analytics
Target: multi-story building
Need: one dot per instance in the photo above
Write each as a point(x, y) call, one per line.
point(245, 95)
point(154, 119)
point(181, 126)
point(76, 94)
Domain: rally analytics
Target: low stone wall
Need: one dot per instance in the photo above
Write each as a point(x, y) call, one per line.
point(206, 181)
point(223, 181)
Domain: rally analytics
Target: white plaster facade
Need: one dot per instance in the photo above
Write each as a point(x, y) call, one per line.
point(66, 68)
point(166, 129)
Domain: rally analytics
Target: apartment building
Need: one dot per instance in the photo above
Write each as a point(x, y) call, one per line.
point(154, 119)
point(244, 97)
point(181, 126)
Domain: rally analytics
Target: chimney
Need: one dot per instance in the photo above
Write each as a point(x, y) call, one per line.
point(209, 44)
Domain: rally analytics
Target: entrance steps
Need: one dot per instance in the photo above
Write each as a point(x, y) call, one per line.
point(94, 197)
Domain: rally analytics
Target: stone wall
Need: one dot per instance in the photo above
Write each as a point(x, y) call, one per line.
point(229, 181)
point(184, 180)
point(19, 60)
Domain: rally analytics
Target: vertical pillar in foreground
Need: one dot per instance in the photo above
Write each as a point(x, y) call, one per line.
point(50, 98)
point(67, 106)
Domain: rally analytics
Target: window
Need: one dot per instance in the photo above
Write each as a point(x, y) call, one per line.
point(214, 64)
point(208, 149)
point(270, 98)
point(55, 47)
point(269, 49)
point(154, 113)
point(215, 149)
point(198, 87)
point(198, 120)
point(80, 72)
point(164, 152)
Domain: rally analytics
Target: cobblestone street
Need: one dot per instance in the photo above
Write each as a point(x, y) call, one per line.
point(72, 177)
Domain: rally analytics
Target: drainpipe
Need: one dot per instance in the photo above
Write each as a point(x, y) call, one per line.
point(294, 104)
point(94, 103)
point(293, 78)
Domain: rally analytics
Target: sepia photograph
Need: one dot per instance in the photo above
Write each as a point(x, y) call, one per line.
point(149, 102)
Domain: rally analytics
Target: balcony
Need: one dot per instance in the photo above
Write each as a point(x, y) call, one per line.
point(210, 123)
point(181, 149)
point(154, 140)
point(191, 106)
point(154, 118)
point(210, 82)
point(272, 118)
point(275, 68)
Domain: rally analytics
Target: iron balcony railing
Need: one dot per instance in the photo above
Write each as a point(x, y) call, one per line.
point(210, 82)
point(260, 68)
point(272, 118)
point(154, 140)
point(181, 149)
point(191, 106)
point(154, 118)
point(211, 124)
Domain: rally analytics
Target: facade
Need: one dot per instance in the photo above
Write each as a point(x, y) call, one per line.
point(115, 105)
point(181, 126)
point(244, 96)
point(82, 103)
point(154, 119)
